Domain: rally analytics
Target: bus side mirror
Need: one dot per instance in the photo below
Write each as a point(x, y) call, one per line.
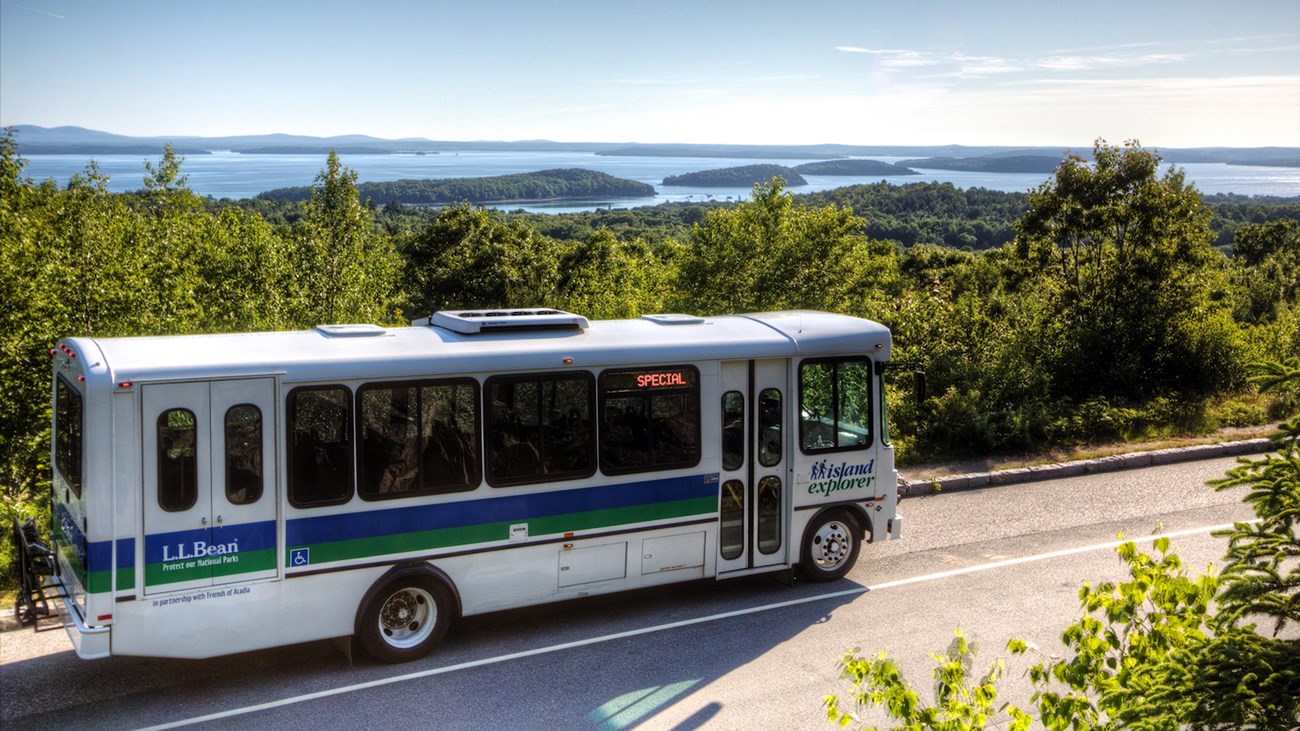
point(919, 375)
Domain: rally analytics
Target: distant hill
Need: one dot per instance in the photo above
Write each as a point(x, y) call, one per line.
point(544, 185)
point(34, 140)
point(1293, 162)
point(37, 140)
point(756, 152)
point(1008, 164)
point(743, 176)
point(854, 167)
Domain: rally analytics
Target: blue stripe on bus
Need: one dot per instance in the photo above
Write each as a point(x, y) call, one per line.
point(99, 556)
point(349, 526)
point(126, 553)
point(302, 531)
point(251, 537)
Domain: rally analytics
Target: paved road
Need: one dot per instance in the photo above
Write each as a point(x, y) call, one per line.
point(755, 654)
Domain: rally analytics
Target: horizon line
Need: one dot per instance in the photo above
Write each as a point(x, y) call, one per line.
point(326, 138)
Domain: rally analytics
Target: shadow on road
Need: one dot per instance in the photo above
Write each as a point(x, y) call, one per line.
point(530, 668)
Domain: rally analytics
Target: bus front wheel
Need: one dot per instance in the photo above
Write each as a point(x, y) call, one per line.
point(405, 619)
point(830, 547)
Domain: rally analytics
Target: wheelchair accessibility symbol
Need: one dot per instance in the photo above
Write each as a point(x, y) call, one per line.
point(300, 557)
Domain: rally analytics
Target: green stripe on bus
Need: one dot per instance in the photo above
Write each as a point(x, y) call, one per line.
point(488, 532)
point(97, 581)
point(126, 578)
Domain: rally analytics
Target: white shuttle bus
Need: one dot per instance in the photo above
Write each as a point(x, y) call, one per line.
point(215, 494)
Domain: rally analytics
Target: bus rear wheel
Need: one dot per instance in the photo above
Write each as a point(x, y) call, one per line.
point(406, 619)
point(830, 547)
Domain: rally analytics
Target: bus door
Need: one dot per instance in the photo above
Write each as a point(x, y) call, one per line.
point(753, 501)
point(209, 483)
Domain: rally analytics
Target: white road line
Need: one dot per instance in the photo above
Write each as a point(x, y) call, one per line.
point(683, 623)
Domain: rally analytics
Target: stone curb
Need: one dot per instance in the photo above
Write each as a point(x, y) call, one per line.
point(1077, 468)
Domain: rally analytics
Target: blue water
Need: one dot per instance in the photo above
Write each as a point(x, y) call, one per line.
point(232, 175)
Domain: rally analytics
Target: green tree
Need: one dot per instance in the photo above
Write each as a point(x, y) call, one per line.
point(959, 316)
point(23, 408)
point(1162, 650)
point(605, 278)
point(1116, 671)
point(959, 703)
point(1126, 260)
point(471, 257)
point(246, 276)
point(1266, 270)
point(344, 271)
point(767, 253)
point(172, 227)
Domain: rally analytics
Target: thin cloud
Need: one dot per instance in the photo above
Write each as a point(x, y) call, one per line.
point(56, 16)
point(961, 65)
point(1089, 63)
point(898, 58)
point(1200, 83)
point(1269, 38)
point(975, 66)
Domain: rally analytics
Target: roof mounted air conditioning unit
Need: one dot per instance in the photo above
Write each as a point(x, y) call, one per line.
point(470, 322)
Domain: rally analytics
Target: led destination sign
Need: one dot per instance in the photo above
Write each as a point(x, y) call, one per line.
point(657, 380)
point(649, 380)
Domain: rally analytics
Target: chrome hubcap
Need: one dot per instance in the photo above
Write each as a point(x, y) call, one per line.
point(831, 545)
point(408, 617)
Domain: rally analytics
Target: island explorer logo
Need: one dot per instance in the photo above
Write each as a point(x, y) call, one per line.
point(826, 478)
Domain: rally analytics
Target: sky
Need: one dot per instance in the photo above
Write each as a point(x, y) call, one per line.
point(1186, 73)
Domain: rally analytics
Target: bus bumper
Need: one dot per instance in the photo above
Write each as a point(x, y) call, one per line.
point(896, 527)
point(90, 643)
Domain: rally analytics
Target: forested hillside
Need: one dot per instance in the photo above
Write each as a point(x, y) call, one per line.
point(567, 184)
point(1094, 308)
point(737, 176)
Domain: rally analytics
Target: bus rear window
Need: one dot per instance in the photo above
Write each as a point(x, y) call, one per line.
point(68, 434)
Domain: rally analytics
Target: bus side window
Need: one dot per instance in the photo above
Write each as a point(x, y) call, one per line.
point(178, 485)
point(540, 428)
point(650, 419)
point(731, 513)
point(243, 454)
point(450, 427)
point(320, 445)
point(835, 404)
point(733, 430)
point(769, 427)
point(67, 434)
point(418, 438)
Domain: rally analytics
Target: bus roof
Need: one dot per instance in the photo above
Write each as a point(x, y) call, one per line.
point(344, 352)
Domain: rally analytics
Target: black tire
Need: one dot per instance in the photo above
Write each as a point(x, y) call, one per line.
point(830, 546)
point(406, 619)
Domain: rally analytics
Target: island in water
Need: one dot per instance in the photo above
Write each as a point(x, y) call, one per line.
point(747, 175)
point(1046, 164)
point(737, 177)
point(544, 185)
point(855, 167)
